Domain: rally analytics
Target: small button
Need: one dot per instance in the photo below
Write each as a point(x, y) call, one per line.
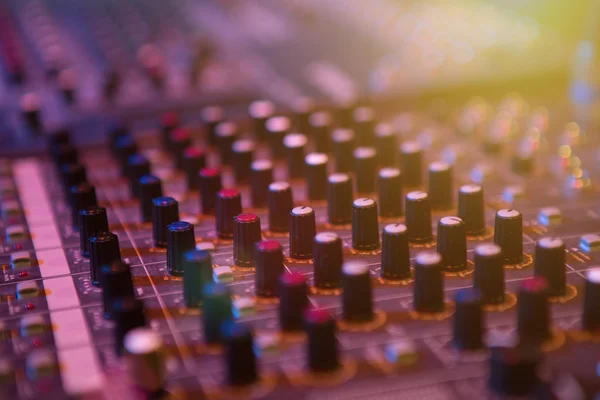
point(590, 243)
point(481, 173)
point(32, 325)
point(15, 233)
point(223, 274)
point(244, 307)
point(7, 371)
point(21, 259)
point(267, 344)
point(10, 209)
point(513, 193)
point(39, 364)
point(206, 246)
point(27, 289)
point(402, 353)
point(549, 216)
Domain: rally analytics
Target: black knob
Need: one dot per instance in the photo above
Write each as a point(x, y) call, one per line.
point(72, 175)
point(343, 113)
point(117, 131)
point(277, 128)
point(279, 205)
point(241, 366)
point(125, 147)
point(229, 204)
point(150, 187)
point(471, 208)
point(339, 198)
point(295, 151)
point(365, 169)
point(104, 249)
point(269, 267)
point(216, 310)
point(321, 128)
point(322, 345)
point(261, 176)
point(488, 276)
point(193, 161)
point(533, 312)
point(197, 272)
point(590, 320)
point(428, 294)
point(316, 176)
point(302, 231)
point(508, 234)
point(550, 263)
point(418, 217)
point(452, 243)
point(386, 144)
point(165, 211)
point(364, 125)
point(137, 166)
point(365, 227)
point(411, 164)
point(260, 111)
point(128, 314)
point(343, 142)
point(209, 184)
point(440, 187)
point(65, 154)
point(179, 140)
point(246, 232)
point(513, 370)
point(92, 221)
point(467, 324)
point(395, 254)
point(302, 108)
point(293, 301)
point(226, 134)
point(328, 259)
point(357, 297)
point(522, 162)
point(180, 239)
point(30, 110)
point(169, 122)
point(243, 154)
point(211, 116)
point(116, 283)
point(60, 136)
point(81, 197)
point(391, 197)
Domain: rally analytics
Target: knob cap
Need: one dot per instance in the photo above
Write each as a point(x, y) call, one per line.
point(145, 357)
point(488, 277)
point(508, 234)
point(241, 367)
point(452, 243)
point(260, 111)
point(328, 259)
point(322, 345)
point(150, 188)
point(116, 283)
point(92, 221)
point(81, 197)
point(197, 272)
point(365, 227)
point(246, 232)
point(316, 176)
point(193, 160)
point(321, 128)
point(229, 204)
point(165, 211)
point(386, 144)
point(211, 116)
point(226, 133)
point(441, 186)
point(357, 298)
point(293, 301)
point(339, 199)
point(471, 208)
point(533, 313)
point(590, 320)
point(295, 151)
point(395, 254)
point(104, 249)
point(279, 206)
point(391, 197)
point(180, 239)
point(137, 166)
point(411, 164)
point(261, 176)
point(550, 264)
point(467, 324)
point(269, 267)
point(216, 310)
point(428, 294)
point(243, 154)
point(277, 128)
point(418, 217)
point(343, 144)
point(513, 370)
point(209, 184)
point(128, 314)
point(302, 231)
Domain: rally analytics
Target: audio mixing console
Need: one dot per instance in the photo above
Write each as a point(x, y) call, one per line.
point(275, 243)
